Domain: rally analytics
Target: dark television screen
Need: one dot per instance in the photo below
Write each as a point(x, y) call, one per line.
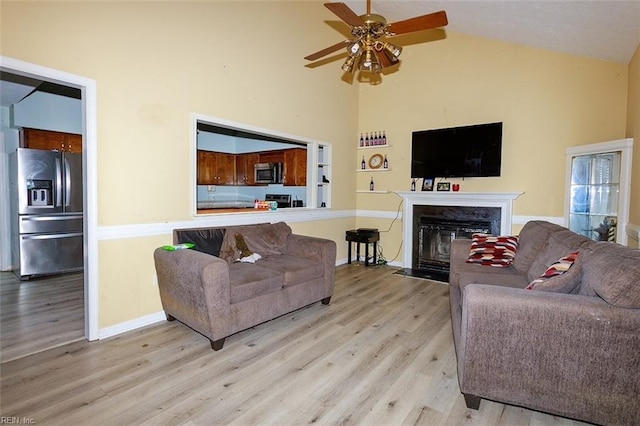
point(467, 151)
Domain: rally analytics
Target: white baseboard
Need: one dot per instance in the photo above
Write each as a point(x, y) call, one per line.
point(131, 325)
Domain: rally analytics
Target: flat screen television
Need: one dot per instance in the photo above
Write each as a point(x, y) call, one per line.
point(466, 151)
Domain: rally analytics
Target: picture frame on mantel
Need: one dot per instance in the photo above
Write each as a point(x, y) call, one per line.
point(427, 184)
point(444, 186)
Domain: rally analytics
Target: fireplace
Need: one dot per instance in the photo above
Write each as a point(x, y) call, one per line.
point(433, 220)
point(433, 250)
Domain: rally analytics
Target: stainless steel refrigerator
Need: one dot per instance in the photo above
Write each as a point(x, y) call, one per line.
point(47, 203)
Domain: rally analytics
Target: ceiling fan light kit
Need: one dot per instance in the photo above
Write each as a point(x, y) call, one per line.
point(366, 50)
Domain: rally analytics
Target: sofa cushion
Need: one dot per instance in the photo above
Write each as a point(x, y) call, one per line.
point(612, 271)
point(533, 236)
point(249, 280)
point(493, 251)
point(563, 276)
point(265, 239)
point(494, 277)
point(295, 269)
point(558, 245)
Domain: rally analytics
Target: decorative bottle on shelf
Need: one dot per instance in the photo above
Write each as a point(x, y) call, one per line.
point(385, 163)
point(361, 140)
point(366, 140)
point(375, 138)
point(413, 184)
point(363, 164)
point(384, 138)
point(371, 186)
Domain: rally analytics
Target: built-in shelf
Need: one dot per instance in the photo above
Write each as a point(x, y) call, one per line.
point(374, 170)
point(374, 146)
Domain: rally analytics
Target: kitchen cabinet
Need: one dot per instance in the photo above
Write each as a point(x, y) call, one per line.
point(52, 141)
point(216, 168)
point(245, 168)
point(295, 167)
point(219, 168)
point(272, 156)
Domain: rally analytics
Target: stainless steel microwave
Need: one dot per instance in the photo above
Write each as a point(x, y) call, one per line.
point(268, 172)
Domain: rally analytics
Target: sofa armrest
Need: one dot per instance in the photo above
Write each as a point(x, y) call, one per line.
point(194, 288)
point(460, 248)
point(317, 249)
point(567, 354)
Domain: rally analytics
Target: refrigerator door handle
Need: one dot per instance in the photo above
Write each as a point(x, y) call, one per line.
point(48, 218)
point(58, 182)
point(50, 236)
point(67, 182)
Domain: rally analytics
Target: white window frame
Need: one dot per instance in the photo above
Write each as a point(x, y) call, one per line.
point(625, 147)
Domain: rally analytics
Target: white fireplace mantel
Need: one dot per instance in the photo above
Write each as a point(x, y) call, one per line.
point(503, 200)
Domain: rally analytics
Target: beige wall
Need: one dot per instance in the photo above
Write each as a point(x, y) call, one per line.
point(157, 63)
point(633, 131)
point(548, 101)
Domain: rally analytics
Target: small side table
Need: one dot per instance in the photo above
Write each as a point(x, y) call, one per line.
point(355, 236)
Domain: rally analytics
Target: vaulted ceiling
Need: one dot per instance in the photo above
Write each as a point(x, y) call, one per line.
point(602, 29)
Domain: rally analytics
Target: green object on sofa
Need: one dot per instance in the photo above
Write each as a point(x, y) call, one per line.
point(572, 349)
point(218, 296)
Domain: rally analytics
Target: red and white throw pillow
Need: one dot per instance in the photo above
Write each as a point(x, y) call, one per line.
point(493, 251)
point(557, 268)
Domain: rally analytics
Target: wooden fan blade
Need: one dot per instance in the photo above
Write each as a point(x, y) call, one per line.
point(347, 15)
point(419, 23)
point(330, 49)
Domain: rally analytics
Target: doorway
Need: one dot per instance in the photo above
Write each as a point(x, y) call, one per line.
point(89, 117)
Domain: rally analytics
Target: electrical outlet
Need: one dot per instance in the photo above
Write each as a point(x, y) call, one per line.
point(211, 188)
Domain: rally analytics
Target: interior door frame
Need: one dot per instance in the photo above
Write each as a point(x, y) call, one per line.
point(90, 176)
point(625, 147)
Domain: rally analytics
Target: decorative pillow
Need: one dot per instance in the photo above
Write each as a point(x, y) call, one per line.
point(551, 280)
point(242, 245)
point(493, 251)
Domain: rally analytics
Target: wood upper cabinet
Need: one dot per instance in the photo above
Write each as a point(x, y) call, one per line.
point(216, 168)
point(295, 167)
point(272, 156)
point(52, 141)
point(244, 168)
point(206, 168)
point(225, 168)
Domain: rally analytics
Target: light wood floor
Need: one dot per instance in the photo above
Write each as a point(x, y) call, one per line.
point(39, 314)
point(380, 354)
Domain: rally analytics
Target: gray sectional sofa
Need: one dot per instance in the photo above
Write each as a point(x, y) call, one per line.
point(570, 347)
point(208, 289)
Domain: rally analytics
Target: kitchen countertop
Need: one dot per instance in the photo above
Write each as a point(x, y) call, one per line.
point(230, 210)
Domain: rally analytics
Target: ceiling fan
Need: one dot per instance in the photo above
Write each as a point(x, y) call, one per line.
point(368, 49)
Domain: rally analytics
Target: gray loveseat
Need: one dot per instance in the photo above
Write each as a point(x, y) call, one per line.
point(209, 290)
point(569, 347)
